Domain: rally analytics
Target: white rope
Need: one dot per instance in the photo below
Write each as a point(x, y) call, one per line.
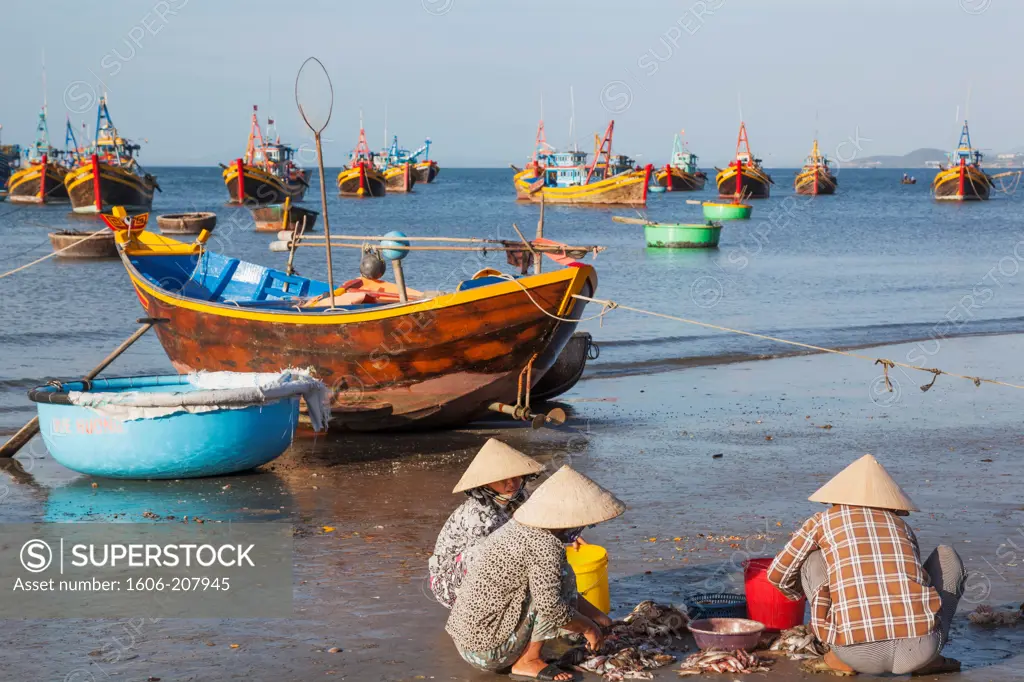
point(51, 255)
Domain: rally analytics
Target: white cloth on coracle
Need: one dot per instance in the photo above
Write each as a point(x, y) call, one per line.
point(214, 391)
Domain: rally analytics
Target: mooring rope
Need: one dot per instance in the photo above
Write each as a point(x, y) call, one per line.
point(26, 266)
point(608, 306)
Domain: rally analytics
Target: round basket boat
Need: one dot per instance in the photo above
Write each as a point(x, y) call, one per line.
point(682, 236)
point(186, 223)
point(728, 211)
point(205, 424)
point(80, 244)
point(271, 218)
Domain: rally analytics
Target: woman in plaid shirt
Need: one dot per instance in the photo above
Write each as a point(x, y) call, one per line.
point(859, 565)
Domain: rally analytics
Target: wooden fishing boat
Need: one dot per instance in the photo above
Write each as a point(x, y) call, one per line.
point(111, 175)
point(40, 178)
point(568, 367)
point(437, 360)
point(10, 157)
point(268, 173)
point(905, 180)
point(362, 181)
point(815, 177)
point(186, 223)
point(361, 178)
point(963, 179)
point(719, 211)
point(281, 217)
point(426, 171)
point(82, 244)
point(681, 173)
point(677, 235)
point(161, 427)
point(564, 178)
point(399, 178)
point(744, 176)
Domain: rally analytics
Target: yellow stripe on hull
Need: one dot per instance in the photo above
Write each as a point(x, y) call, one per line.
point(148, 244)
point(625, 188)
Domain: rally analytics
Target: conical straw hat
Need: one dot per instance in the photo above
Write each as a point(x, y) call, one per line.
point(568, 499)
point(865, 483)
point(496, 462)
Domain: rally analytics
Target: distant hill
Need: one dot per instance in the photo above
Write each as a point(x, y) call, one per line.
point(919, 158)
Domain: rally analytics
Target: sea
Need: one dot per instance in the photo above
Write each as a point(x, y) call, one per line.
point(877, 263)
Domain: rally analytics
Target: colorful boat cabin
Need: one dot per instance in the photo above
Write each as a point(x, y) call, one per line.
point(683, 158)
point(564, 169)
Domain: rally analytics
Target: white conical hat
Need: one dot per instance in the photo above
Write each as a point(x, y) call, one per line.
point(865, 483)
point(496, 462)
point(568, 499)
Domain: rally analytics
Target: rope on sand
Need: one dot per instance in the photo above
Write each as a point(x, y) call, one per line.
point(26, 266)
point(608, 306)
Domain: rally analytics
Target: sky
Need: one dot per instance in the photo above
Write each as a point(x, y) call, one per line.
point(870, 77)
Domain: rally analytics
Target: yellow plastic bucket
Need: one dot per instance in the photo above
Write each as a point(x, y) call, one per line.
point(590, 563)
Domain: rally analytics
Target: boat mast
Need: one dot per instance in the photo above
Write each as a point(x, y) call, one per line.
point(362, 150)
point(255, 147)
point(743, 152)
point(606, 151)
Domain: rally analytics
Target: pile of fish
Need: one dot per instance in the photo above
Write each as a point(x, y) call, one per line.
point(986, 615)
point(636, 644)
point(715, 661)
point(799, 643)
point(631, 663)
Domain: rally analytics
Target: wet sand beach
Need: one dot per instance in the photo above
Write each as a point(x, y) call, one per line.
point(781, 426)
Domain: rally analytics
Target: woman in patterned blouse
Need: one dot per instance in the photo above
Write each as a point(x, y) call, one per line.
point(495, 483)
point(522, 591)
point(872, 599)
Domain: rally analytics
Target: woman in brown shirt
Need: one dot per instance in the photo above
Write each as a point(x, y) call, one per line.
point(872, 599)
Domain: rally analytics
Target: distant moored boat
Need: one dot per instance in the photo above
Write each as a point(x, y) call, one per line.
point(815, 177)
point(962, 179)
point(744, 177)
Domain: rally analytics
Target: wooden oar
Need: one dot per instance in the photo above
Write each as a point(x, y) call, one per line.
point(630, 221)
point(697, 202)
point(28, 431)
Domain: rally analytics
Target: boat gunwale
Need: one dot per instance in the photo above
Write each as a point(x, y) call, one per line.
point(574, 278)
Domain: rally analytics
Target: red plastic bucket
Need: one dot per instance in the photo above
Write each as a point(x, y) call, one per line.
point(765, 603)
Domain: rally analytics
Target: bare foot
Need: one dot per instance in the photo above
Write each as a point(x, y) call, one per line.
point(533, 666)
point(835, 663)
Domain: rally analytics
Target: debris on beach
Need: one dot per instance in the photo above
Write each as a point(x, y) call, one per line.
point(986, 615)
point(799, 643)
point(716, 661)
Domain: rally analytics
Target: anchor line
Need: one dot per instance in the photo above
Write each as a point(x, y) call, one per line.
point(608, 306)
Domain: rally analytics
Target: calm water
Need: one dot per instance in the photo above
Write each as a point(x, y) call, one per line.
point(876, 263)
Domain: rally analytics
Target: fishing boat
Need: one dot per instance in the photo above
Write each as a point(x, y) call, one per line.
point(83, 244)
point(160, 427)
point(424, 170)
point(815, 177)
point(10, 158)
point(681, 173)
point(677, 235)
point(394, 357)
point(744, 176)
point(361, 178)
point(283, 217)
point(565, 178)
point(268, 173)
point(908, 180)
point(39, 179)
point(186, 223)
point(110, 175)
point(963, 179)
point(734, 210)
point(393, 162)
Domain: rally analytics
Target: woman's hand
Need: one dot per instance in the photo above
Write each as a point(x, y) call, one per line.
point(577, 543)
point(602, 620)
point(594, 637)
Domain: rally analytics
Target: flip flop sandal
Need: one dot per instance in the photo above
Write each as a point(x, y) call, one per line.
point(819, 666)
point(939, 666)
point(574, 656)
point(550, 672)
